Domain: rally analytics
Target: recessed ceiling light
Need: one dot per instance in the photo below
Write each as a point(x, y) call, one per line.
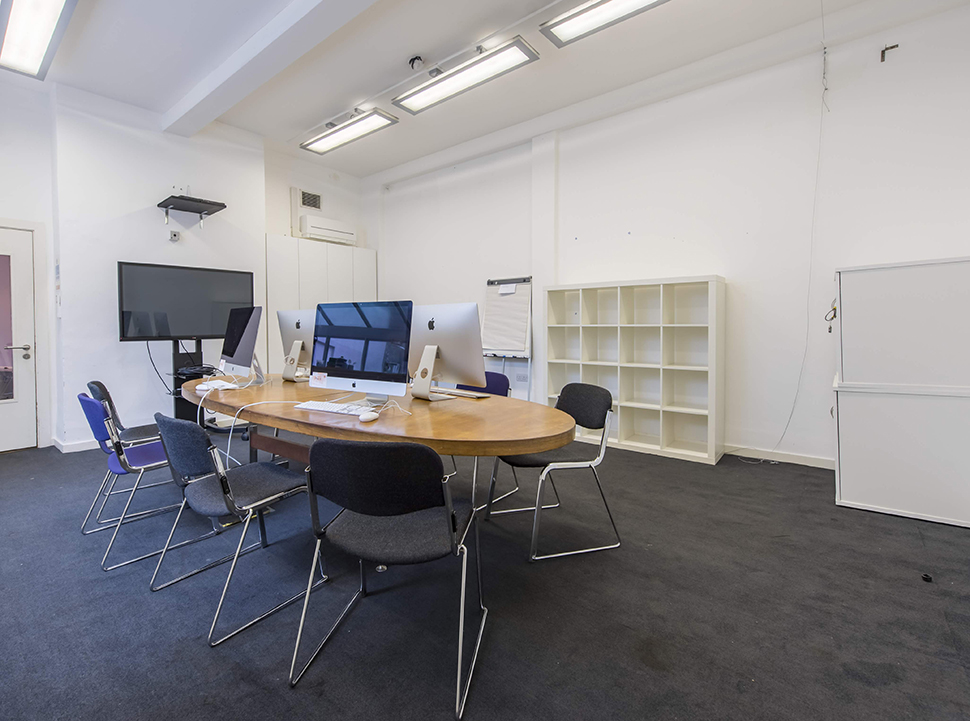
point(32, 30)
point(356, 128)
point(591, 17)
point(470, 74)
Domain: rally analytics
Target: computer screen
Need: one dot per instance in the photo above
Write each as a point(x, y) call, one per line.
point(240, 340)
point(363, 341)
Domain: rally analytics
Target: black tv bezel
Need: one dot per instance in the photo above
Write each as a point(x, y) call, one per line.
point(138, 339)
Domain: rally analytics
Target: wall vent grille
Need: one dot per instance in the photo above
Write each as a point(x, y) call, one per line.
point(310, 200)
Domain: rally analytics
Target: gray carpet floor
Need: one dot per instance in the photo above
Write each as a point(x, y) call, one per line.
point(740, 592)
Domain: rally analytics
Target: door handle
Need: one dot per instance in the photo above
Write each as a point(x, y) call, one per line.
point(16, 347)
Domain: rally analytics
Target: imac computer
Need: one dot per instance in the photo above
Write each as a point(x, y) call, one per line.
point(362, 347)
point(296, 330)
point(239, 346)
point(446, 345)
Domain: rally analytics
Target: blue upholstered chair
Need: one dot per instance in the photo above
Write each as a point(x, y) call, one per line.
point(496, 384)
point(124, 458)
point(591, 407)
point(397, 509)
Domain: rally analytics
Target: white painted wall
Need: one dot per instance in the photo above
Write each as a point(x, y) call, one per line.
point(113, 167)
point(446, 233)
point(26, 202)
point(25, 153)
point(339, 192)
point(722, 180)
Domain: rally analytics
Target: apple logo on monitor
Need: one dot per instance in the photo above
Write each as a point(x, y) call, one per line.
point(298, 324)
point(431, 324)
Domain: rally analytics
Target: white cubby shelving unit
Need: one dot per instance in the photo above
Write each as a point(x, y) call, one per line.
point(657, 346)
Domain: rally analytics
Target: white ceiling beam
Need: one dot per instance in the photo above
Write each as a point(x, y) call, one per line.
point(296, 30)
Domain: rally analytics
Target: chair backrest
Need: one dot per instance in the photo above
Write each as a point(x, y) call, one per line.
point(376, 479)
point(586, 403)
point(96, 415)
point(495, 383)
point(187, 446)
point(100, 394)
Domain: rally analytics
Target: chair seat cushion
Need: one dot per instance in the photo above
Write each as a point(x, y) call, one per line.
point(147, 454)
point(575, 452)
point(250, 484)
point(398, 540)
point(139, 433)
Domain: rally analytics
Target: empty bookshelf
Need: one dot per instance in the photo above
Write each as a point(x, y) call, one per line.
point(657, 346)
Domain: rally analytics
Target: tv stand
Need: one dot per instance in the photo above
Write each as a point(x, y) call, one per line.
point(186, 410)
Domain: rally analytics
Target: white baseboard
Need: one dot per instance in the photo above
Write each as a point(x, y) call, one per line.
point(75, 446)
point(801, 460)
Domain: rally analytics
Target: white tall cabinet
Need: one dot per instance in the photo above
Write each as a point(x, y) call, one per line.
point(300, 273)
point(658, 347)
point(903, 389)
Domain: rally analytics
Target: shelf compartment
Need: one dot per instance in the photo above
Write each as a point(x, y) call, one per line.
point(564, 343)
point(561, 374)
point(640, 426)
point(685, 433)
point(686, 346)
point(640, 345)
point(640, 305)
point(564, 307)
point(600, 306)
point(603, 376)
point(685, 391)
point(685, 303)
point(640, 385)
point(601, 345)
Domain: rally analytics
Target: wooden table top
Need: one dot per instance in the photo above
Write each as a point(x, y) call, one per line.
point(493, 426)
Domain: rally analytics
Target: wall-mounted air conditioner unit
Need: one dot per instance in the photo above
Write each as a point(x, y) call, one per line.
point(307, 222)
point(320, 228)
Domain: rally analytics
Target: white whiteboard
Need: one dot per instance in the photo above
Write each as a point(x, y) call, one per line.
point(903, 454)
point(906, 324)
point(507, 322)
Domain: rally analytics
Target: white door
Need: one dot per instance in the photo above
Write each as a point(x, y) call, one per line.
point(18, 409)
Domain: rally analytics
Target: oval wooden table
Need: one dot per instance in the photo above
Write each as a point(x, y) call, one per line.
point(493, 426)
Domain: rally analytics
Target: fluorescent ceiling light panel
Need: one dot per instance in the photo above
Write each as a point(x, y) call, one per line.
point(591, 17)
point(32, 30)
point(356, 128)
point(480, 69)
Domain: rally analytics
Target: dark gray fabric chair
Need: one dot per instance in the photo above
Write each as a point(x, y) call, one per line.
point(591, 407)
point(396, 509)
point(138, 434)
point(212, 491)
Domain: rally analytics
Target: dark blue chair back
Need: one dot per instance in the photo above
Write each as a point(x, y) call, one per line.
point(496, 384)
point(96, 416)
point(376, 479)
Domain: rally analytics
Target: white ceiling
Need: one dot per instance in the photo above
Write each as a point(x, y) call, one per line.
point(150, 54)
point(118, 49)
point(372, 55)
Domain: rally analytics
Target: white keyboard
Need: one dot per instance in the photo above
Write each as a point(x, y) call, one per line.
point(215, 385)
point(328, 407)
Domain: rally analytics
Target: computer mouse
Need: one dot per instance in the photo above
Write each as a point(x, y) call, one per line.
point(368, 417)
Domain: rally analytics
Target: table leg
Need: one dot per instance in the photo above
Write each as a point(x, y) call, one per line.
point(253, 446)
point(474, 483)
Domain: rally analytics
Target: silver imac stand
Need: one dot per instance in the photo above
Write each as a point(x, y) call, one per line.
point(421, 387)
point(255, 369)
point(259, 377)
point(292, 370)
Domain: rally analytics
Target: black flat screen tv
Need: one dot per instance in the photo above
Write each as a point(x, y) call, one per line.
point(169, 302)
